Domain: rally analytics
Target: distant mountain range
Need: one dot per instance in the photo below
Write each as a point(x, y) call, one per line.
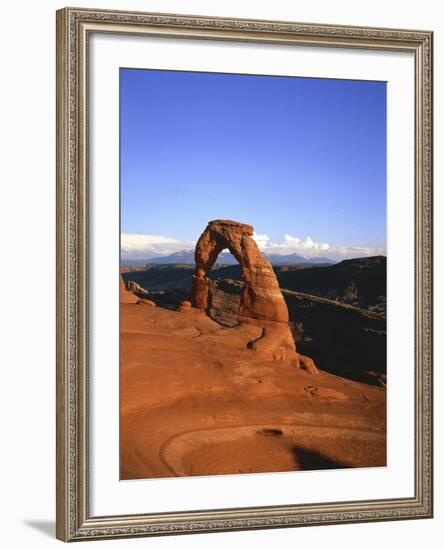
point(225, 257)
point(292, 259)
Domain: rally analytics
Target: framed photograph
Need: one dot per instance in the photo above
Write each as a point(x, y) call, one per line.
point(244, 274)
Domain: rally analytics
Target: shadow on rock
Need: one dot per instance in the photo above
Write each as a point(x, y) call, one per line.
point(312, 460)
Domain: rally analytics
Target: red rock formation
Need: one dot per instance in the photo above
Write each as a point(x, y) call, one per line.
point(261, 302)
point(185, 307)
point(261, 296)
point(126, 297)
point(145, 302)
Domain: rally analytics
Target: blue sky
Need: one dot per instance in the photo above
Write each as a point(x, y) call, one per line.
point(302, 160)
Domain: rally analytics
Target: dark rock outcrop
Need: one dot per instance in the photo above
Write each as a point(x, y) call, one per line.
point(134, 287)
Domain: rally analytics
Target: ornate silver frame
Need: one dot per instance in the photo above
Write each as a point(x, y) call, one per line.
point(74, 521)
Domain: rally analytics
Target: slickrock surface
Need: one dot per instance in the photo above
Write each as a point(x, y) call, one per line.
point(195, 400)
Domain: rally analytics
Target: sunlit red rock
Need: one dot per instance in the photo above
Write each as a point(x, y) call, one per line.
point(261, 303)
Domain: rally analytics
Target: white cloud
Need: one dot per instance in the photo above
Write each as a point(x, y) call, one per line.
point(262, 240)
point(303, 244)
point(139, 246)
point(289, 244)
point(309, 248)
point(147, 246)
point(359, 251)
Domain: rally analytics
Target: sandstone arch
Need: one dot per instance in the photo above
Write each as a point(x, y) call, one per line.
point(261, 302)
point(261, 298)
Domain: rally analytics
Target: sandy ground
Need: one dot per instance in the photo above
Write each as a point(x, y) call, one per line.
point(196, 401)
